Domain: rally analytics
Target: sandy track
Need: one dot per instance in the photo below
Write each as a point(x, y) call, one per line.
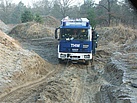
point(27, 90)
point(73, 83)
point(52, 87)
point(67, 83)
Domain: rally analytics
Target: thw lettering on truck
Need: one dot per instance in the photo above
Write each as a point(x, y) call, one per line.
point(75, 45)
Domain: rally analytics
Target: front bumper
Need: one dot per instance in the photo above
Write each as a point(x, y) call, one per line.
point(75, 56)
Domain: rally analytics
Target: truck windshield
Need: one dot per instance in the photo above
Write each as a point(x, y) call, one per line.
point(74, 34)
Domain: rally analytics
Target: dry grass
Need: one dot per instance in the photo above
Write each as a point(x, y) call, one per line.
point(4, 27)
point(33, 30)
point(50, 21)
point(118, 34)
point(118, 39)
point(18, 66)
point(30, 30)
point(9, 41)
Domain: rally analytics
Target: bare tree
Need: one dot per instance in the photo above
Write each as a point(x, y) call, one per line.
point(43, 7)
point(107, 6)
point(5, 6)
point(108, 9)
point(63, 6)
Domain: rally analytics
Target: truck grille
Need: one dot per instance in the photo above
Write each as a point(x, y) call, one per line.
point(74, 56)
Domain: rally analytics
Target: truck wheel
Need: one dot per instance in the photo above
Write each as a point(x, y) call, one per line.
point(87, 62)
point(60, 61)
point(91, 61)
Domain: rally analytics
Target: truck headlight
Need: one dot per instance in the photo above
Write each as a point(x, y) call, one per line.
point(85, 46)
point(62, 55)
point(86, 56)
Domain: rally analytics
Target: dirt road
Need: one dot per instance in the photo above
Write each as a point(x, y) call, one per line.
point(45, 47)
point(110, 79)
point(29, 92)
point(67, 83)
point(71, 84)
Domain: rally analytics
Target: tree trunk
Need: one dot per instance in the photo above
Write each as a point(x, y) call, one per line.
point(109, 15)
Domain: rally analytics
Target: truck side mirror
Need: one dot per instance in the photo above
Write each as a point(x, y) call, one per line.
point(56, 31)
point(97, 35)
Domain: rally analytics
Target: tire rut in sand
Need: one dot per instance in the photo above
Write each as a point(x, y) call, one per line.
point(27, 89)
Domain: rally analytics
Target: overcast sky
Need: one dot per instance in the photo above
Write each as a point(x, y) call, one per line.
point(28, 2)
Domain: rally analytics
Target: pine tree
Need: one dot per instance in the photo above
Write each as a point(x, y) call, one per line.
point(38, 18)
point(27, 16)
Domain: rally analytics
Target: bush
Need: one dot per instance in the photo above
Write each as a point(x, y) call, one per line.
point(38, 19)
point(27, 16)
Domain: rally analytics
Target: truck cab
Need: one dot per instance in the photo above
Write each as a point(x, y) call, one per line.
point(75, 40)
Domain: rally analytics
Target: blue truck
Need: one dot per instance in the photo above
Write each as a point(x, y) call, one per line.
point(77, 40)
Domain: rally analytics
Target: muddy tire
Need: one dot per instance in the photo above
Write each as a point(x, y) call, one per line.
point(87, 62)
point(60, 61)
point(91, 61)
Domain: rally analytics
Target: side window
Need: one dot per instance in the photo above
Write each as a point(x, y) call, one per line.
point(65, 33)
point(83, 34)
point(62, 34)
point(75, 33)
point(68, 33)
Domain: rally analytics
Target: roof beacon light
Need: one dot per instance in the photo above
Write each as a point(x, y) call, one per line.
point(75, 22)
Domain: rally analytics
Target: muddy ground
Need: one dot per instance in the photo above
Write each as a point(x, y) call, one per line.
point(110, 79)
point(67, 83)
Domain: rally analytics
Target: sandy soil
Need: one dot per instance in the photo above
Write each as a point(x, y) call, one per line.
point(110, 79)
